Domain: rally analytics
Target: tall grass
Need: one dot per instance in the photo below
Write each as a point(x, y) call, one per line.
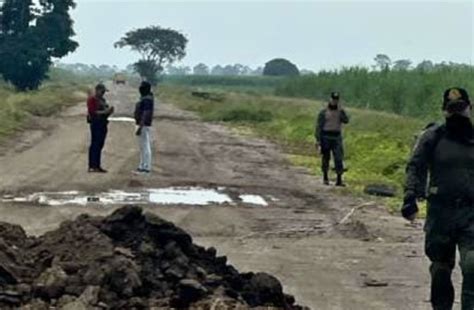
point(247, 84)
point(18, 108)
point(414, 93)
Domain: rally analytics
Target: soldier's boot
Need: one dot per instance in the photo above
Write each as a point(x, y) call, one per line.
point(339, 181)
point(325, 178)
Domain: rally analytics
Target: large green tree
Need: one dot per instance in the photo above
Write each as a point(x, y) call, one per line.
point(280, 67)
point(201, 69)
point(383, 62)
point(157, 46)
point(31, 36)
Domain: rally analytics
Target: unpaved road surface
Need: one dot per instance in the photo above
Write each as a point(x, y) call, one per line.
point(296, 237)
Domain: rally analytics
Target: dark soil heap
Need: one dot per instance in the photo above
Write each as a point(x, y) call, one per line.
point(128, 260)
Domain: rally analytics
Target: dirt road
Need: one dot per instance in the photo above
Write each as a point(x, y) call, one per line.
point(296, 237)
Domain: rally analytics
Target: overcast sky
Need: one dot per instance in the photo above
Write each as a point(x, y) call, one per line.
point(313, 34)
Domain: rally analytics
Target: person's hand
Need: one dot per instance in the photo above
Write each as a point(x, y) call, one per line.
point(410, 207)
point(111, 110)
point(138, 132)
point(318, 147)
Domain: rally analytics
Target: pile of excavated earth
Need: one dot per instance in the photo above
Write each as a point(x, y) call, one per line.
point(128, 260)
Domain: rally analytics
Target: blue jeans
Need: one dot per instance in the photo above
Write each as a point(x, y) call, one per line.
point(144, 142)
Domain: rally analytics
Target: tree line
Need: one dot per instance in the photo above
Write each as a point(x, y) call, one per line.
point(200, 69)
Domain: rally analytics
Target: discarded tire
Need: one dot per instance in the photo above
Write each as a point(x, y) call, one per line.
point(381, 190)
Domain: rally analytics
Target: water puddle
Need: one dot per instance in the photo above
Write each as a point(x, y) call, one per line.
point(194, 196)
point(253, 200)
point(122, 119)
point(198, 196)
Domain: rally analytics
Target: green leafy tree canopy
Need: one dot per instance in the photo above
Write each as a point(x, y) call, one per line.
point(157, 47)
point(280, 67)
point(201, 69)
point(383, 62)
point(31, 36)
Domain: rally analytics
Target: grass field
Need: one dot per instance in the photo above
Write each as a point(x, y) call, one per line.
point(377, 143)
point(256, 85)
point(16, 109)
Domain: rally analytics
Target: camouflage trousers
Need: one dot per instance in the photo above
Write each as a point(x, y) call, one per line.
point(449, 227)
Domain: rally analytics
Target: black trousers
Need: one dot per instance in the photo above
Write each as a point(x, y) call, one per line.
point(332, 145)
point(446, 229)
point(98, 136)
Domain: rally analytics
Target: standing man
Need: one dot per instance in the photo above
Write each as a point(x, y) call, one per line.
point(98, 113)
point(445, 155)
point(328, 136)
point(144, 118)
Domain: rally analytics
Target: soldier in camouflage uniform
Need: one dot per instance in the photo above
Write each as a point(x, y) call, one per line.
point(444, 154)
point(328, 136)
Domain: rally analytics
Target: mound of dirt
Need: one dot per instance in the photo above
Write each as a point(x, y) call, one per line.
point(128, 260)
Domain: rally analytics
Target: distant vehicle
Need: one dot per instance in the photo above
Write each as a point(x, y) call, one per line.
point(119, 78)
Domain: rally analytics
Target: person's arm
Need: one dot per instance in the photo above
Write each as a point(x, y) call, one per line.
point(344, 116)
point(417, 174)
point(319, 125)
point(107, 112)
point(92, 106)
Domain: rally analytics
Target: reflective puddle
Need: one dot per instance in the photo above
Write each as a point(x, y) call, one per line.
point(162, 196)
point(253, 200)
point(199, 197)
point(122, 119)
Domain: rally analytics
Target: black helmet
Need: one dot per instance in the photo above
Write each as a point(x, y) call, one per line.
point(455, 99)
point(335, 95)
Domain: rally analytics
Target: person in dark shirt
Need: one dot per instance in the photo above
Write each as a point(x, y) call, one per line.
point(144, 118)
point(441, 170)
point(98, 112)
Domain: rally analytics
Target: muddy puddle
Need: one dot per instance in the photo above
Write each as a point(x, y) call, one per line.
point(161, 196)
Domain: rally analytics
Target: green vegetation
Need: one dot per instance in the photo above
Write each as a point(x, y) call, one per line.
point(32, 34)
point(248, 84)
point(280, 67)
point(377, 143)
point(17, 108)
point(415, 93)
point(157, 47)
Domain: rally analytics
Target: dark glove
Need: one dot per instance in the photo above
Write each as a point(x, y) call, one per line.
point(410, 207)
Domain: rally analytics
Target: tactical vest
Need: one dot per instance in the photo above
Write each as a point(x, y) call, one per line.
point(452, 168)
